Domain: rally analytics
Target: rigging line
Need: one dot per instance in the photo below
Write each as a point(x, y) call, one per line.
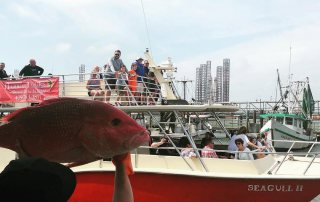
point(146, 26)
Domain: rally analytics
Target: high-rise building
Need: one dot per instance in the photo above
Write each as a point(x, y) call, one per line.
point(226, 80)
point(222, 82)
point(82, 71)
point(218, 85)
point(204, 85)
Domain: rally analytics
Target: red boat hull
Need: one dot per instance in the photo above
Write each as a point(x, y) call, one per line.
point(98, 187)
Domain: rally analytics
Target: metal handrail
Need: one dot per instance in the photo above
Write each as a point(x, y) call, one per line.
point(186, 132)
point(169, 138)
point(277, 165)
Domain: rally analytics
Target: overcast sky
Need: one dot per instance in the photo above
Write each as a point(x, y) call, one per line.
point(255, 34)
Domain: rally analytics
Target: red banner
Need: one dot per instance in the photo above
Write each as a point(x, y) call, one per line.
point(28, 90)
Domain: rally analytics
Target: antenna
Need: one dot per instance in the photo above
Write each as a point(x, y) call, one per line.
point(290, 62)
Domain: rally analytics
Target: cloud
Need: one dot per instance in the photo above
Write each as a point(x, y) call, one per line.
point(63, 47)
point(102, 50)
point(24, 11)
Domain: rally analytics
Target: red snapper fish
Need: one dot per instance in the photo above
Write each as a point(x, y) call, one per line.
point(70, 130)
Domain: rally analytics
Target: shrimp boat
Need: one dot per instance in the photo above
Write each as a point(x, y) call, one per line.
point(279, 176)
point(291, 116)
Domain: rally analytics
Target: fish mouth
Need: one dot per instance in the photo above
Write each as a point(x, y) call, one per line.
point(139, 139)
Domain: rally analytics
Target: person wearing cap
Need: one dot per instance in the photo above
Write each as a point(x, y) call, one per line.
point(3, 73)
point(36, 180)
point(31, 69)
point(141, 74)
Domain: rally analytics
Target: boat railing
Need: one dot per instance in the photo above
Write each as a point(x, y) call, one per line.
point(285, 156)
point(75, 85)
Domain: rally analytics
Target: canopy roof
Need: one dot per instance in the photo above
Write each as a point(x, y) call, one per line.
point(296, 116)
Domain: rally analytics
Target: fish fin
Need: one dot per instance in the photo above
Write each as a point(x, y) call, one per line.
point(12, 115)
point(124, 159)
point(55, 100)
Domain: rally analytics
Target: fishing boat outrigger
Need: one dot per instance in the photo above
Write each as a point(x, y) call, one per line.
point(291, 116)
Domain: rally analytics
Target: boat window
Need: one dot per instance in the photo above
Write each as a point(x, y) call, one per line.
point(295, 122)
point(289, 120)
point(279, 119)
point(299, 123)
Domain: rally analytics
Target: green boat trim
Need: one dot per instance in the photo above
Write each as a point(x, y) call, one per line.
point(296, 116)
point(285, 133)
point(292, 136)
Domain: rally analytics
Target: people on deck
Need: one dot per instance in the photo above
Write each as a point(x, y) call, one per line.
point(146, 68)
point(140, 86)
point(207, 135)
point(152, 88)
point(94, 87)
point(187, 150)
point(258, 154)
point(3, 73)
point(241, 134)
point(122, 86)
point(111, 71)
point(31, 69)
point(266, 143)
point(162, 143)
point(208, 149)
point(132, 82)
point(243, 153)
point(146, 77)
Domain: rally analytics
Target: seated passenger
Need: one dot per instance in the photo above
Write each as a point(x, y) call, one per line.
point(163, 143)
point(94, 87)
point(266, 143)
point(242, 153)
point(207, 151)
point(187, 151)
point(208, 135)
point(257, 155)
point(241, 134)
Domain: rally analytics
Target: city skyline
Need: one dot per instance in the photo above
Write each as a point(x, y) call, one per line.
point(213, 88)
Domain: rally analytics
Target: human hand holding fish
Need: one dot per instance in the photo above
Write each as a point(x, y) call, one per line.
point(75, 131)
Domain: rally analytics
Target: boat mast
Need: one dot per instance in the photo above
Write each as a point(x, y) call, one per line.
point(290, 83)
point(279, 83)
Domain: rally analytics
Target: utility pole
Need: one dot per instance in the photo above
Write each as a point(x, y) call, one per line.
point(184, 82)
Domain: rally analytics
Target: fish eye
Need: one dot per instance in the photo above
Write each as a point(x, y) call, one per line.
point(115, 122)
